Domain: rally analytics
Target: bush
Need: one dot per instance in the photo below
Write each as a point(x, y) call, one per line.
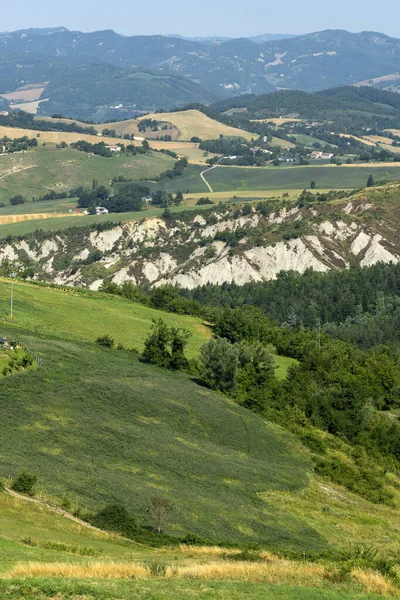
point(115, 517)
point(204, 201)
point(24, 483)
point(106, 341)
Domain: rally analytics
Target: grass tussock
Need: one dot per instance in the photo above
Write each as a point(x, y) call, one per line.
point(218, 552)
point(286, 572)
point(375, 583)
point(275, 572)
point(92, 570)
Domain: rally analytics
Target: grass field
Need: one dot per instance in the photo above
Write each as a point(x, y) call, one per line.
point(108, 428)
point(43, 589)
point(193, 123)
point(86, 316)
point(186, 124)
point(34, 173)
point(232, 179)
point(56, 137)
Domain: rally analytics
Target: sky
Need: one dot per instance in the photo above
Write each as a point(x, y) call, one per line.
point(230, 18)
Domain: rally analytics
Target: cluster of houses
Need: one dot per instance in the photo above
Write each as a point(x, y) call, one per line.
point(316, 155)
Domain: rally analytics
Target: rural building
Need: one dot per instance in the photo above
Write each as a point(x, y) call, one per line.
point(114, 148)
point(320, 155)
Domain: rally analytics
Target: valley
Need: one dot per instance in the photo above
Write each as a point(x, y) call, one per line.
point(199, 313)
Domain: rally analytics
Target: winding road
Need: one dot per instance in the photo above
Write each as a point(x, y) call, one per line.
point(205, 180)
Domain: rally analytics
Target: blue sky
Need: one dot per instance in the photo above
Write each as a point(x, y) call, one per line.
point(233, 18)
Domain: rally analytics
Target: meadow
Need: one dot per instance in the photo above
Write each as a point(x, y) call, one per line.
point(87, 315)
point(108, 428)
point(240, 179)
point(35, 172)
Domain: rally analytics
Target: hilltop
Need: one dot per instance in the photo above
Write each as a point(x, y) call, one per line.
point(118, 76)
point(224, 244)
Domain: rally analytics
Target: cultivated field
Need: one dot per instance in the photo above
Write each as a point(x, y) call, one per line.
point(27, 93)
point(192, 123)
point(56, 137)
point(35, 172)
point(241, 179)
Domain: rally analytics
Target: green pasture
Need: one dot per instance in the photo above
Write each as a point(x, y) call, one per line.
point(283, 178)
point(67, 589)
point(35, 172)
point(98, 426)
point(86, 316)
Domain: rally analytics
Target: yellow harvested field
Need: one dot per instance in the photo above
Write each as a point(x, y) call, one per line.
point(191, 199)
point(378, 139)
point(29, 107)
point(8, 219)
point(56, 137)
point(25, 94)
point(193, 123)
point(283, 143)
point(362, 140)
point(394, 131)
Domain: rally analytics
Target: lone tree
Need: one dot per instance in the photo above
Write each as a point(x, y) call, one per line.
point(371, 181)
point(160, 510)
point(313, 185)
point(165, 346)
point(24, 483)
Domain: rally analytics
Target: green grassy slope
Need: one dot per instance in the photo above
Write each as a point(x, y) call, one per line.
point(278, 178)
point(98, 426)
point(224, 178)
point(35, 172)
point(86, 316)
point(43, 589)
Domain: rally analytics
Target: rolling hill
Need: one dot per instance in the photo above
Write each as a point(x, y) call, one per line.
point(223, 244)
point(34, 173)
point(90, 74)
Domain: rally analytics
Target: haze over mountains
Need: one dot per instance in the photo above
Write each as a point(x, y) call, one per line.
point(87, 73)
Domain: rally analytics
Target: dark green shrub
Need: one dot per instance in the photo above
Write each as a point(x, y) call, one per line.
point(106, 341)
point(24, 483)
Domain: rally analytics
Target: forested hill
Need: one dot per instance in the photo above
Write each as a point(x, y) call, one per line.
point(185, 70)
point(317, 105)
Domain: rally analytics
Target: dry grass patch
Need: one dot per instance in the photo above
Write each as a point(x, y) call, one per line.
point(282, 572)
point(91, 570)
point(193, 123)
point(56, 137)
point(7, 219)
point(375, 583)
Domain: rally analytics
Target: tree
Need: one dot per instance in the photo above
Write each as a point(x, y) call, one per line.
point(24, 483)
point(165, 346)
point(15, 200)
point(313, 185)
point(178, 198)
point(156, 345)
point(220, 360)
point(179, 341)
point(371, 181)
point(160, 510)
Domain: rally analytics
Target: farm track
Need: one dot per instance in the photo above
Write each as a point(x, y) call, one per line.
point(205, 180)
point(53, 509)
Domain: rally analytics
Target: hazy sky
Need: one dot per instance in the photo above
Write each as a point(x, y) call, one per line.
point(231, 18)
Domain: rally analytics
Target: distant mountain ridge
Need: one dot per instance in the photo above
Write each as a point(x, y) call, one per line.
point(180, 70)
